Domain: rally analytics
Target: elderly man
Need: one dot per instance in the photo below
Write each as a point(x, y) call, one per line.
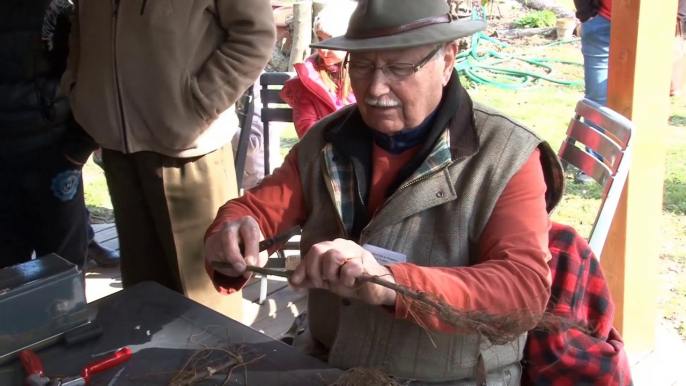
point(416, 184)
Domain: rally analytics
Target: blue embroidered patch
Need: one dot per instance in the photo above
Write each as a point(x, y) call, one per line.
point(65, 184)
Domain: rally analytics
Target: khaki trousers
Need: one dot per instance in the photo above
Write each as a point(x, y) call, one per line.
point(162, 207)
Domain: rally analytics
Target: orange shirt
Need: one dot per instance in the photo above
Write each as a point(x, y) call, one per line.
point(386, 167)
point(512, 273)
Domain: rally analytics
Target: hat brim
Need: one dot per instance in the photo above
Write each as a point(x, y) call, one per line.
point(433, 34)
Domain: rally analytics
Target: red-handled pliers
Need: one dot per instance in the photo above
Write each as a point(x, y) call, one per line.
point(36, 377)
point(34, 368)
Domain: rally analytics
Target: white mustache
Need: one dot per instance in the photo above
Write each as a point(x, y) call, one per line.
point(378, 102)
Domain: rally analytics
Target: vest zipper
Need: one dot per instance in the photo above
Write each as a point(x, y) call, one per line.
point(416, 180)
point(359, 194)
point(116, 75)
point(421, 178)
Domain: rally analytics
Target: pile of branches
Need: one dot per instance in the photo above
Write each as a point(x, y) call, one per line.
point(207, 362)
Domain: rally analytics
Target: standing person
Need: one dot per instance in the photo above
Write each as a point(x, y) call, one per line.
point(42, 148)
point(595, 17)
point(322, 85)
point(154, 82)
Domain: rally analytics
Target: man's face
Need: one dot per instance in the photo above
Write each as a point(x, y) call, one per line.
point(400, 98)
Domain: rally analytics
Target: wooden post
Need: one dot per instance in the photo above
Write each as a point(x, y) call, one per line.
point(641, 54)
point(302, 33)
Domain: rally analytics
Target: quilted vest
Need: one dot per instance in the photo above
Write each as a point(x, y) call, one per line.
point(435, 220)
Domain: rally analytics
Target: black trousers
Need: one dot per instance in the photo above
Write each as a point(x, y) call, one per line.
point(42, 208)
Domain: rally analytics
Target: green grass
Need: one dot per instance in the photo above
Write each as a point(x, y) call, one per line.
point(96, 194)
point(536, 19)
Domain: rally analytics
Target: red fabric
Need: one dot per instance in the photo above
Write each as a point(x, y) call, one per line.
point(309, 97)
point(579, 293)
point(606, 8)
point(513, 272)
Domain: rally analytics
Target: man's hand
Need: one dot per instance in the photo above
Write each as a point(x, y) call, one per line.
point(225, 246)
point(335, 266)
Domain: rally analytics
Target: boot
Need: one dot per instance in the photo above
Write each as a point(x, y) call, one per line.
point(102, 256)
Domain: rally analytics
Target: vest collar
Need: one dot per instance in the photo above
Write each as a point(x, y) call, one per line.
point(351, 139)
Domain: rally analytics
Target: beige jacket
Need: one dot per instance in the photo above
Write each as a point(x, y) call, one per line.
point(163, 75)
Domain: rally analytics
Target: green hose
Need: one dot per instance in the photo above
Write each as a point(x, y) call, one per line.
point(486, 66)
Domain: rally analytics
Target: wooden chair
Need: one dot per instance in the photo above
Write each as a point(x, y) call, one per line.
point(607, 133)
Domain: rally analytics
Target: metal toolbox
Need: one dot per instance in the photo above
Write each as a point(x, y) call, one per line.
point(40, 300)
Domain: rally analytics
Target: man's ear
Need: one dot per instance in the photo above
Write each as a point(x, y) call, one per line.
point(450, 55)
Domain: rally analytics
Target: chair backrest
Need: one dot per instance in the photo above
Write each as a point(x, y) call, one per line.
point(271, 84)
point(607, 134)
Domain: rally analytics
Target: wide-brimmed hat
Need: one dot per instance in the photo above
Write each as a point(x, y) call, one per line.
point(398, 24)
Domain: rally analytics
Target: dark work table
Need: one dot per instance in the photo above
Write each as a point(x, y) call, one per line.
point(164, 330)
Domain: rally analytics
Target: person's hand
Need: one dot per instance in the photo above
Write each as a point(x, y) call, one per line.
point(223, 246)
point(336, 266)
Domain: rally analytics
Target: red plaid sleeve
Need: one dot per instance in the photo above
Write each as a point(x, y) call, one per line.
point(580, 293)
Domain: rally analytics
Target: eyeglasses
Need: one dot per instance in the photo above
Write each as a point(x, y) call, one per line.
point(394, 72)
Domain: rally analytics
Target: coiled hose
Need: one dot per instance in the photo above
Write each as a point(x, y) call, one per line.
point(486, 66)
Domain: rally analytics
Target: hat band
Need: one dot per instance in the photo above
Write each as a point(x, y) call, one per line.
point(399, 29)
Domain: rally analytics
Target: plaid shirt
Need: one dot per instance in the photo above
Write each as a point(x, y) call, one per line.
point(579, 292)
